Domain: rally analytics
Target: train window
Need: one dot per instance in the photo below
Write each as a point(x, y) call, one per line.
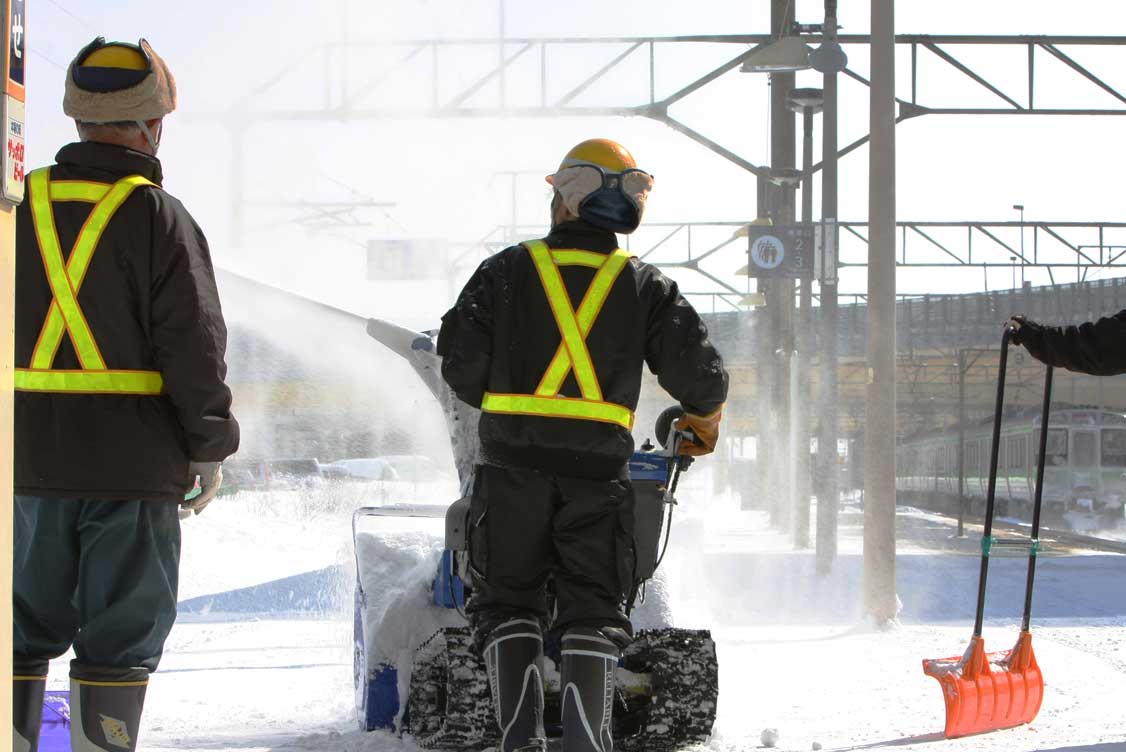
point(1114, 447)
point(1057, 446)
point(1083, 448)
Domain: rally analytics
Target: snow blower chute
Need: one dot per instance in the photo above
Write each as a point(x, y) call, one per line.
point(434, 684)
point(990, 691)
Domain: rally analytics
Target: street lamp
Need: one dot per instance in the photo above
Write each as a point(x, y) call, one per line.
point(1020, 208)
point(781, 55)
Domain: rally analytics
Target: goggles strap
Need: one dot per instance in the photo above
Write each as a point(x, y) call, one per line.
point(153, 142)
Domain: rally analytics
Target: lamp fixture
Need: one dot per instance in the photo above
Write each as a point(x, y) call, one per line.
point(781, 55)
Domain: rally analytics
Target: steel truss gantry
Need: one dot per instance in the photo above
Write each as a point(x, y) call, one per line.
point(357, 73)
point(710, 250)
point(435, 65)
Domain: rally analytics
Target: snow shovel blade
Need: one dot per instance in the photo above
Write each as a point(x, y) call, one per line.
point(985, 692)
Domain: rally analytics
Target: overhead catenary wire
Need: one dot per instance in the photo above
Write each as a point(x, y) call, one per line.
point(72, 14)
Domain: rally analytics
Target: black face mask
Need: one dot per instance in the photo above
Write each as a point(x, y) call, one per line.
point(609, 207)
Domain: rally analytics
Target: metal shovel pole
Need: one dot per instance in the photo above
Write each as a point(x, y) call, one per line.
point(987, 534)
point(1045, 412)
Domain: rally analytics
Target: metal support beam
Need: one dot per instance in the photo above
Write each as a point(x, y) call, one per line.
point(828, 471)
point(879, 420)
point(780, 293)
point(803, 490)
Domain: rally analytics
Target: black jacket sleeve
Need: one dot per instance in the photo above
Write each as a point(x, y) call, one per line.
point(1097, 348)
point(188, 334)
point(677, 348)
point(465, 340)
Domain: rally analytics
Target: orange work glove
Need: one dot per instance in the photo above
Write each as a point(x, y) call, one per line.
point(706, 430)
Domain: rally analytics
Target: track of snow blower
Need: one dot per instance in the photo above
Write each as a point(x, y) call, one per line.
point(667, 681)
point(666, 686)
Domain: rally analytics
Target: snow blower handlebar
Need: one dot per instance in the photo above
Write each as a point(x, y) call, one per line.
point(671, 438)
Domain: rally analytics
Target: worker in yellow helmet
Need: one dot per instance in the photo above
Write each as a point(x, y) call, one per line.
point(549, 339)
point(120, 402)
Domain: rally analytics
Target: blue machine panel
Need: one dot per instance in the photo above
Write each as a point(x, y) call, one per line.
point(648, 466)
point(449, 590)
point(381, 698)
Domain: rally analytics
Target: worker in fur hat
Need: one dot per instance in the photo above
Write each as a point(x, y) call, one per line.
point(120, 404)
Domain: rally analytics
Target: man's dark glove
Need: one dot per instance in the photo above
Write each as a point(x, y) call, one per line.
point(1023, 329)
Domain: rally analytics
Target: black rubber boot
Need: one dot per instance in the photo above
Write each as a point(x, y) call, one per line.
point(589, 660)
point(514, 658)
point(28, 687)
point(105, 707)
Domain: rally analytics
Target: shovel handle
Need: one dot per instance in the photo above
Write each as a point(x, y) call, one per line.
point(991, 493)
point(994, 450)
point(1045, 414)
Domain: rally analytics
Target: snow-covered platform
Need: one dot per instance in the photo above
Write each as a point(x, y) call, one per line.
point(795, 653)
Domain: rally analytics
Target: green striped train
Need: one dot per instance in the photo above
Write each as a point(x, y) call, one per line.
point(1084, 475)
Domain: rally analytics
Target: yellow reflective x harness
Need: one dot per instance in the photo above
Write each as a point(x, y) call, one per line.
point(572, 353)
point(65, 280)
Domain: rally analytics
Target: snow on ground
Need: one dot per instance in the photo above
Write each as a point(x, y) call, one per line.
point(269, 667)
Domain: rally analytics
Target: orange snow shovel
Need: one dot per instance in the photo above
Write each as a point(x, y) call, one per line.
point(990, 691)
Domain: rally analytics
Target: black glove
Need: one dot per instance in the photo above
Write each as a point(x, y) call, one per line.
point(1022, 329)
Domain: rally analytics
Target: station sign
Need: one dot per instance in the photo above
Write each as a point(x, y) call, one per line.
point(15, 95)
point(781, 251)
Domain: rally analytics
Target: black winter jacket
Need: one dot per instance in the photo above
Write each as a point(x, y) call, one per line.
point(151, 302)
point(501, 335)
point(1097, 348)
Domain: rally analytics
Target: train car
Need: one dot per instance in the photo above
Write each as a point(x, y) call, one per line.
point(1084, 475)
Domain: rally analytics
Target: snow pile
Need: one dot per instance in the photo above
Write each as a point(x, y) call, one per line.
point(396, 572)
point(655, 611)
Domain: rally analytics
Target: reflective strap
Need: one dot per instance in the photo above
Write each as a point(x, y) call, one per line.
point(65, 313)
point(78, 190)
point(89, 382)
point(610, 266)
point(564, 313)
point(557, 407)
point(572, 257)
point(83, 682)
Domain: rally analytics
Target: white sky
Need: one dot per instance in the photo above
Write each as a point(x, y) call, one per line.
point(442, 174)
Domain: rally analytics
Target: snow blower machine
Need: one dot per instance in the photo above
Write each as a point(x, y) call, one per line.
point(416, 669)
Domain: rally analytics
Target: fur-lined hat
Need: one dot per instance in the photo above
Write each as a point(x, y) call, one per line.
point(118, 82)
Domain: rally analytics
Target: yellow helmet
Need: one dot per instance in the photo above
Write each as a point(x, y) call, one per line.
point(598, 181)
point(117, 55)
point(602, 152)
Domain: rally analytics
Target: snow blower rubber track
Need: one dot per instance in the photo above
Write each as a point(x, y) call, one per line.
point(685, 680)
point(448, 704)
point(449, 707)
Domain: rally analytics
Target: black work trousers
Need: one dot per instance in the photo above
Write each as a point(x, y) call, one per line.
point(528, 527)
point(98, 575)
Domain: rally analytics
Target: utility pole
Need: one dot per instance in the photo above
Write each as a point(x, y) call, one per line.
point(828, 470)
point(879, 422)
point(780, 293)
point(806, 102)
